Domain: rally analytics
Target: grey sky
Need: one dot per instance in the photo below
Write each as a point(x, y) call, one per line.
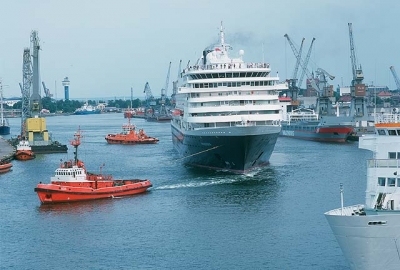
point(107, 47)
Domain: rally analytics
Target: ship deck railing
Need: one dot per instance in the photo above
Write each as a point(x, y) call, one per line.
point(387, 118)
point(346, 211)
point(383, 163)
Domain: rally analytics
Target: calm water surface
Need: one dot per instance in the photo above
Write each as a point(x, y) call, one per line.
point(191, 219)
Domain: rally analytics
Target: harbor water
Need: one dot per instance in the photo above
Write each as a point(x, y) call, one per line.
point(271, 218)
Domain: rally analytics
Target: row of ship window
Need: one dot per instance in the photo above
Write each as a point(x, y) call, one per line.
point(232, 103)
point(230, 113)
point(68, 173)
point(390, 132)
point(229, 93)
point(228, 75)
point(390, 181)
point(233, 84)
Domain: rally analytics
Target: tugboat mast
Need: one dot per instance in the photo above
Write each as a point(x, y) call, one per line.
point(75, 143)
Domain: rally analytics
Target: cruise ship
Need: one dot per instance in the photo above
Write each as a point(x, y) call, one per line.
point(227, 114)
point(369, 234)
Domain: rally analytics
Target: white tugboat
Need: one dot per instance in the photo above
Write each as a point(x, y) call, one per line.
point(227, 113)
point(369, 234)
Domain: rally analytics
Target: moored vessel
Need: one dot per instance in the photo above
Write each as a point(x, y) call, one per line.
point(87, 109)
point(228, 111)
point(24, 151)
point(73, 183)
point(130, 136)
point(305, 124)
point(5, 166)
point(369, 234)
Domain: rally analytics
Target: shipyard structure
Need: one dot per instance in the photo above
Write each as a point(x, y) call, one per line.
point(33, 127)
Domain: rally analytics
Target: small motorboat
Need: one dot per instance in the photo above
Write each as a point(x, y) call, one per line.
point(73, 183)
point(5, 166)
point(130, 136)
point(24, 151)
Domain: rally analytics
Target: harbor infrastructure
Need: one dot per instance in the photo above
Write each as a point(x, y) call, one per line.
point(6, 150)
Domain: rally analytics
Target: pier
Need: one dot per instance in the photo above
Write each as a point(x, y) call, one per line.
point(6, 150)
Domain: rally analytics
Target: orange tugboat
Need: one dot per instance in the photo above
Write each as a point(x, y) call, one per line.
point(130, 136)
point(73, 183)
point(24, 151)
point(5, 167)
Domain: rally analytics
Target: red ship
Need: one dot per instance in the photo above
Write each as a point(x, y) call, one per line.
point(130, 136)
point(5, 167)
point(73, 183)
point(24, 151)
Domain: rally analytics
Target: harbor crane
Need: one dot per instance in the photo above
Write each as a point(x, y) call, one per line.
point(175, 85)
point(296, 67)
point(358, 105)
point(396, 79)
point(46, 91)
point(358, 75)
point(302, 63)
point(35, 97)
point(26, 90)
point(150, 101)
point(305, 65)
point(164, 91)
point(322, 77)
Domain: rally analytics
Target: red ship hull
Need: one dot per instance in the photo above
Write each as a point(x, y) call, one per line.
point(24, 155)
point(5, 167)
point(332, 133)
point(61, 192)
point(112, 139)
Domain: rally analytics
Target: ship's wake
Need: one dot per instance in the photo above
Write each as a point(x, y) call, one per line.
point(253, 177)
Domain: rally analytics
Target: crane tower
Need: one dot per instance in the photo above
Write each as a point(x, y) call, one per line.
point(357, 88)
point(26, 89)
point(175, 85)
point(35, 97)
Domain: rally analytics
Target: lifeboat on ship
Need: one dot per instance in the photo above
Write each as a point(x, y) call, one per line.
point(24, 151)
point(5, 166)
point(72, 183)
point(130, 136)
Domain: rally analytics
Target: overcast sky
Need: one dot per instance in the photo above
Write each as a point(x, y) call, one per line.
point(106, 47)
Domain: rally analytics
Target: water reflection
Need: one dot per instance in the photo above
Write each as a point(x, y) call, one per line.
point(103, 205)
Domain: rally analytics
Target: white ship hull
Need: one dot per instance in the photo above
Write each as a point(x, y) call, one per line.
point(370, 241)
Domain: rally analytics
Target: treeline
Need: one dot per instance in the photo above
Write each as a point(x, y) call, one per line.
point(69, 106)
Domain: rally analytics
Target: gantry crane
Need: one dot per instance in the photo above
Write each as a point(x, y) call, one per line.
point(396, 79)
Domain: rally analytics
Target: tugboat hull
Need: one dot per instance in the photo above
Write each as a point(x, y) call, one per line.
point(57, 193)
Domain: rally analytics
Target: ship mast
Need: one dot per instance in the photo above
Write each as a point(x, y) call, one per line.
point(221, 34)
point(75, 143)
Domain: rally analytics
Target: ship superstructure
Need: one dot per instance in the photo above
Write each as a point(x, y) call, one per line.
point(369, 234)
point(227, 111)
